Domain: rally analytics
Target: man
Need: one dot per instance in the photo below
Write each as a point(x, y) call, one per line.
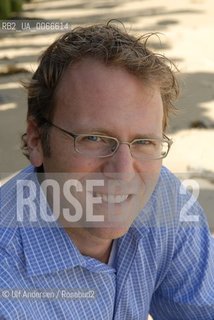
point(96, 228)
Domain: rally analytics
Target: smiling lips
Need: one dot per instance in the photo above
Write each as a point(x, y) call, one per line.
point(112, 199)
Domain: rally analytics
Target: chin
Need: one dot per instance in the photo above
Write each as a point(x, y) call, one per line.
point(108, 233)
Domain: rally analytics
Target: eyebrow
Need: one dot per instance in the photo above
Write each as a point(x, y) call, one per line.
point(105, 132)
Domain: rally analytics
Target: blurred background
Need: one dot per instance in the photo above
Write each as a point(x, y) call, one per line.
point(187, 32)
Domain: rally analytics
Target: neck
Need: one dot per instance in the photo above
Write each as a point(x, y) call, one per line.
point(89, 245)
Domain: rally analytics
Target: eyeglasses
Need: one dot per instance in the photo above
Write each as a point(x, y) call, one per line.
point(101, 146)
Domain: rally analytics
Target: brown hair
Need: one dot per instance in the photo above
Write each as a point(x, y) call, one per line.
point(109, 44)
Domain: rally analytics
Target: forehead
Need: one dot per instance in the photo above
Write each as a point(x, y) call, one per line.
point(83, 72)
point(92, 93)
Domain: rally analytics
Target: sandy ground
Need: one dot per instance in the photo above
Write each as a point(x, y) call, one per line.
point(187, 30)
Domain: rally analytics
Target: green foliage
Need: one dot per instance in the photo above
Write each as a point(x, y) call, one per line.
point(9, 6)
point(16, 5)
point(5, 9)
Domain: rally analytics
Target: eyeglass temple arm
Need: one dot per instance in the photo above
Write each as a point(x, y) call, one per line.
point(73, 135)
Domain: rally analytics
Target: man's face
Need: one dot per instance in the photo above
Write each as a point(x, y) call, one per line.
point(94, 98)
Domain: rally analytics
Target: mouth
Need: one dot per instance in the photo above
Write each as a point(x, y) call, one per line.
point(113, 199)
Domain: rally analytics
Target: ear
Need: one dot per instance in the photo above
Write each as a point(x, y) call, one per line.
point(34, 143)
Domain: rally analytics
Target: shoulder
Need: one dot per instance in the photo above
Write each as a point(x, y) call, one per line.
point(163, 203)
point(171, 221)
point(9, 191)
point(167, 181)
point(173, 194)
point(170, 207)
point(11, 256)
point(10, 241)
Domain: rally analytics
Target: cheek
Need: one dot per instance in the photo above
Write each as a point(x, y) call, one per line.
point(75, 163)
point(65, 159)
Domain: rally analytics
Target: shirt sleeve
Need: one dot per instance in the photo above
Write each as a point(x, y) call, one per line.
point(187, 290)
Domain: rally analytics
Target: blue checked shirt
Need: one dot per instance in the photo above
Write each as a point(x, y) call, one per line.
point(163, 265)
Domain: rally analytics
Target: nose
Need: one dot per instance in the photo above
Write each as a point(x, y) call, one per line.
point(121, 165)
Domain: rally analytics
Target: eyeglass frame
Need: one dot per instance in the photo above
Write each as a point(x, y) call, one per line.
point(75, 136)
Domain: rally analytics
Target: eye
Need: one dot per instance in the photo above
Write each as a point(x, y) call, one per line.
point(93, 138)
point(143, 142)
